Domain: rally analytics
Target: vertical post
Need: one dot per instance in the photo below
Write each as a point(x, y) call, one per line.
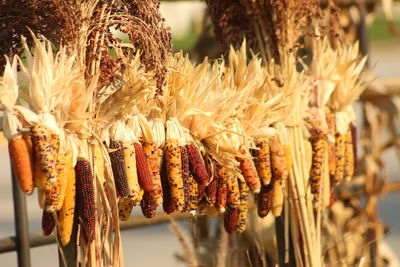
point(21, 224)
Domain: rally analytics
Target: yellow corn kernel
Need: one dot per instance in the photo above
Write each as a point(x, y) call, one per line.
point(319, 147)
point(66, 213)
point(55, 195)
point(348, 156)
point(193, 194)
point(174, 173)
point(263, 160)
point(340, 157)
point(243, 207)
point(125, 206)
point(233, 198)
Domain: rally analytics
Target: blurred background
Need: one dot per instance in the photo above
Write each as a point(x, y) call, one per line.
point(157, 245)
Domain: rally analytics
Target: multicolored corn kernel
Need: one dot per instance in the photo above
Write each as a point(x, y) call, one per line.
point(319, 147)
point(353, 129)
point(330, 119)
point(348, 156)
point(173, 161)
point(264, 200)
point(243, 207)
point(197, 166)
point(185, 177)
point(278, 160)
point(147, 205)
point(21, 160)
point(222, 190)
point(263, 160)
point(277, 198)
point(249, 171)
point(168, 203)
point(125, 206)
point(144, 177)
point(340, 157)
point(211, 191)
point(194, 194)
point(44, 147)
point(233, 198)
point(231, 217)
point(154, 155)
point(85, 197)
point(48, 223)
point(56, 194)
point(66, 213)
point(118, 168)
point(131, 170)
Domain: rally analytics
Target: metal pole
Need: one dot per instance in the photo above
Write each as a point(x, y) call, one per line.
point(21, 224)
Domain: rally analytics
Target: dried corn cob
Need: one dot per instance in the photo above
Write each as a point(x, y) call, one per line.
point(278, 160)
point(148, 207)
point(263, 160)
point(330, 118)
point(249, 171)
point(118, 168)
point(44, 147)
point(319, 147)
point(197, 166)
point(142, 167)
point(222, 191)
point(231, 219)
point(168, 203)
point(194, 194)
point(264, 200)
point(340, 157)
point(125, 206)
point(353, 130)
point(211, 190)
point(55, 195)
point(131, 170)
point(86, 198)
point(233, 197)
point(21, 160)
point(243, 207)
point(348, 156)
point(174, 173)
point(277, 198)
point(154, 156)
point(48, 223)
point(66, 214)
point(185, 178)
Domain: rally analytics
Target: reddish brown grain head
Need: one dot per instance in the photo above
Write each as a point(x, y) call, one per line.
point(144, 176)
point(48, 223)
point(231, 219)
point(264, 200)
point(147, 205)
point(168, 203)
point(185, 177)
point(119, 169)
point(197, 166)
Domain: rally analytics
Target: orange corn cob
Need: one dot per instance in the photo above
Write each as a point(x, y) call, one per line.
point(85, 198)
point(233, 198)
point(264, 200)
point(340, 157)
point(45, 147)
point(249, 172)
point(277, 198)
point(21, 160)
point(154, 156)
point(148, 207)
point(173, 161)
point(55, 195)
point(48, 223)
point(263, 160)
point(231, 219)
point(243, 207)
point(119, 169)
point(222, 191)
point(168, 203)
point(319, 146)
point(66, 214)
point(125, 206)
point(278, 160)
point(197, 166)
point(143, 171)
point(348, 156)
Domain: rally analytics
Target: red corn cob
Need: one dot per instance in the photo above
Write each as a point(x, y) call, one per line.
point(231, 219)
point(119, 170)
point(48, 223)
point(144, 175)
point(211, 191)
point(148, 207)
point(197, 166)
point(264, 201)
point(85, 198)
point(168, 203)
